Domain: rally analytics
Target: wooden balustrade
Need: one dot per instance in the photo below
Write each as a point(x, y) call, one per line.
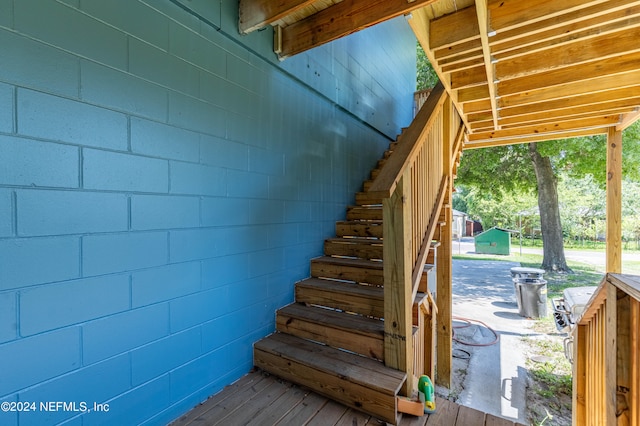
point(606, 355)
point(413, 186)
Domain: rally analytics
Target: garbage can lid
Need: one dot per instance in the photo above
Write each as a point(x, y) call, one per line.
point(523, 270)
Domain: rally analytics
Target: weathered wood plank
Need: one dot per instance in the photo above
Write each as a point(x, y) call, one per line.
point(304, 411)
point(355, 381)
point(359, 229)
point(363, 248)
point(445, 415)
point(468, 416)
point(352, 332)
point(350, 297)
point(357, 270)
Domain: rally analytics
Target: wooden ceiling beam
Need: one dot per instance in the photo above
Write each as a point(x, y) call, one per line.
point(457, 28)
point(339, 20)
point(628, 119)
point(483, 25)
point(473, 94)
point(599, 48)
point(255, 14)
point(594, 86)
point(475, 76)
point(475, 107)
point(599, 101)
point(553, 117)
point(535, 138)
point(571, 75)
point(474, 45)
point(508, 14)
point(552, 128)
point(504, 44)
point(573, 37)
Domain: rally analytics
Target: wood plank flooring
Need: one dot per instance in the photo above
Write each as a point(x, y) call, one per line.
point(261, 399)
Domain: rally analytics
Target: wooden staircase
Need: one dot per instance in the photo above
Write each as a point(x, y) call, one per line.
point(332, 338)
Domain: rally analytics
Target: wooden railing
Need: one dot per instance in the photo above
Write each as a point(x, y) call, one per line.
point(413, 186)
point(606, 355)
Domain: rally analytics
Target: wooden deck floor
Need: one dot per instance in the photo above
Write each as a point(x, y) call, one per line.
point(261, 399)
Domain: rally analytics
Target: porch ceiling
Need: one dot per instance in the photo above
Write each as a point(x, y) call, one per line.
point(517, 70)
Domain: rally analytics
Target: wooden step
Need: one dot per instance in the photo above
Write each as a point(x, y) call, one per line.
point(374, 173)
point(366, 185)
point(359, 229)
point(357, 270)
point(367, 199)
point(361, 299)
point(363, 248)
point(358, 382)
point(364, 212)
point(352, 332)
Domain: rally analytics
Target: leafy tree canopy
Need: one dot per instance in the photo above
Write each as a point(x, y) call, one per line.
point(426, 75)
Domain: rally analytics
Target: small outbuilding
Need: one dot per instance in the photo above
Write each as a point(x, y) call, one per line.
point(494, 241)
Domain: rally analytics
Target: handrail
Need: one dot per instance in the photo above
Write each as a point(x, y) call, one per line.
point(606, 369)
point(385, 183)
point(414, 184)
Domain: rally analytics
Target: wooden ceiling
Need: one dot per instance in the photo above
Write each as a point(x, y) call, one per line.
point(517, 70)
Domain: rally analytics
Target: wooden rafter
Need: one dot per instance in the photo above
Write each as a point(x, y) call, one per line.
point(483, 26)
point(256, 14)
point(340, 20)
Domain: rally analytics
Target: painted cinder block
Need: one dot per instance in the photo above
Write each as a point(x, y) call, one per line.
point(134, 95)
point(103, 254)
point(29, 261)
point(223, 153)
point(246, 293)
point(57, 305)
point(32, 163)
point(38, 358)
point(266, 162)
point(51, 117)
point(220, 271)
point(197, 179)
point(67, 212)
point(64, 24)
point(176, 349)
point(110, 378)
point(6, 213)
point(134, 406)
point(265, 262)
point(6, 108)
point(195, 309)
point(140, 20)
point(160, 67)
point(119, 333)
point(56, 71)
point(8, 317)
point(247, 184)
point(164, 212)
point(160, 140)
point(223, 211)
point(124, 172)
point(197, 115)
point(192, 47)
point(164, 283)
point(195, 244)
point(198, 373)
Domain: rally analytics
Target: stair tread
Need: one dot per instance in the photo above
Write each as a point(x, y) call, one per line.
point(356, 240)
point(336, 319)
point(345, 261)
point(350, 367)
point(368, 291)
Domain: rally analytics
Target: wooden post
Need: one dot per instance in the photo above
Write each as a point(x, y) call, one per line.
point(610, 354)
point(398, 300)
point(579, 375)
point(614, 201)
point(443, 286)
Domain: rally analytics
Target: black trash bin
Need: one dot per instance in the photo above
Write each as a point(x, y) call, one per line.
point(531, 292)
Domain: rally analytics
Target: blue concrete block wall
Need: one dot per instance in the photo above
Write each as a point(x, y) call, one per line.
point(164, 182)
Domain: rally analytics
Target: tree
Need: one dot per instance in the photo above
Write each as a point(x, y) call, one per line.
point(426, 76)
point(536, 167)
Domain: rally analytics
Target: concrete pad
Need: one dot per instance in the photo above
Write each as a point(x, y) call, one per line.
point(496, 375)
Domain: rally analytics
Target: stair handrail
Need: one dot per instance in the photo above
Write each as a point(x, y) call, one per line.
point(606, 355)
point(413, 185)
point(385, 183)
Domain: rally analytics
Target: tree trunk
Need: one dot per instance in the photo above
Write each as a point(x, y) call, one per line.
point(552, 242)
